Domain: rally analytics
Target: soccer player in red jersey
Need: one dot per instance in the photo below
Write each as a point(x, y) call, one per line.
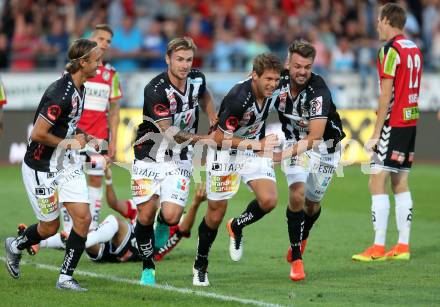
point(100, 119)
point(399, 65)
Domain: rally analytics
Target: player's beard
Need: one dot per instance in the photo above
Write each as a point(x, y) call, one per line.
point(178, 74)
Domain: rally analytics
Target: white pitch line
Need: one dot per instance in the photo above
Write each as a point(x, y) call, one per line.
point(167, 287)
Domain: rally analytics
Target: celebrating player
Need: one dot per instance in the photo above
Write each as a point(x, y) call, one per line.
point(52, 170)
point(399, 65)
point(171, 114)
point(308, 117)
point(100, 119)
point(242, 115)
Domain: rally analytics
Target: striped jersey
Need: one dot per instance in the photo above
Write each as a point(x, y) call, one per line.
point(61, 106)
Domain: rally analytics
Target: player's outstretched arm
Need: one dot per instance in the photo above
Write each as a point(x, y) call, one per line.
point(208, 106)
point(315, 135)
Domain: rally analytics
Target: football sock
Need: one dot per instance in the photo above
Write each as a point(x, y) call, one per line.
point(309, 220)
point(252, 214)
point(28, 238)
point(104, 233)
point(404, 206)
point(74, 248)
point(295, 227)
point(380, 209)
point(95, 198)
point(206, 238)
point(145, 240)
point(52, 242)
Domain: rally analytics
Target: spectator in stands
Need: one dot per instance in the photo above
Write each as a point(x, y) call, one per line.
point(127, 45)
point(155, 46)
point(57, 41)
point(26, 46)
point(343, 58)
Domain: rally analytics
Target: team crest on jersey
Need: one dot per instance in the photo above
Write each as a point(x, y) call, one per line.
point(173, 102)
point(283, 98)
point(106, 75)
point(161, 110)
point(246, 117)
point(53, 112)
point(182, 184)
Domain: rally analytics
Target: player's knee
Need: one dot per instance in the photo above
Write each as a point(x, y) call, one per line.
point(82, 221)
point(95, 181)
point(48, 229)
point(297, 199)
point(214, 219)
point(268, 202)
point(311, 208)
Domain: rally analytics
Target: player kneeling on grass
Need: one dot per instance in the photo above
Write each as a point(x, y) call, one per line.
point(52, 169)
point(308, 117)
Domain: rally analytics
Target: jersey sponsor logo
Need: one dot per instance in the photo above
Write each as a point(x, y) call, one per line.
point(182, 184)
point(141, 187)
point(161, 110)
point(48, 204)
point(316, 106)
point(398, 156)
point(226, 167)
point(53, 112)
point(227, 183)
point(232, 123)
point(411, 113)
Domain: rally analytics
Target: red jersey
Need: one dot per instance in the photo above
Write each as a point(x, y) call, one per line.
point(400, 59)
point(101, 90)
point(2, 94)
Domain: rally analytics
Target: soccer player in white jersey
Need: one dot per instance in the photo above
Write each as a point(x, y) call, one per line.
point(52, 170)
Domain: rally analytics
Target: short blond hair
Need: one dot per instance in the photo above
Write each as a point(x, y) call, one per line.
point(181, 43)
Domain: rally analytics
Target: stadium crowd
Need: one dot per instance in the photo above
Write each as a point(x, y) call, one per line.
point(35, 34)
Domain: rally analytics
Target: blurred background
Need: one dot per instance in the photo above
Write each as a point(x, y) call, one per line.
point(35, 35)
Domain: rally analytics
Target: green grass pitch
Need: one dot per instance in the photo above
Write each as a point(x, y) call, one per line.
point(262, 275)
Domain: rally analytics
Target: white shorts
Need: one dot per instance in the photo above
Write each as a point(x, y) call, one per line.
point(46, 191)
point(224, 171)
point(169, 180)
point(314, 169)
point(94, 164)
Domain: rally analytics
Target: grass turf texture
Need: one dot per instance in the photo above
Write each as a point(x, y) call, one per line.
point(343, 229)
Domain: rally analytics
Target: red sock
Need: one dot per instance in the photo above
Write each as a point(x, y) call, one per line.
point(131, 212)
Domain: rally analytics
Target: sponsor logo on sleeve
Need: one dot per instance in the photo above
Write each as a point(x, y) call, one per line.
point(161, 110)
point(53, 112)
point(316, 106)
point(232, 123)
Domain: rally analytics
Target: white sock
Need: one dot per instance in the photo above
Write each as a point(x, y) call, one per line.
point(64, 277)
point(95, 198)
point(53, 242)
point(380, 209)
point(404, 207)
point(104, 233)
